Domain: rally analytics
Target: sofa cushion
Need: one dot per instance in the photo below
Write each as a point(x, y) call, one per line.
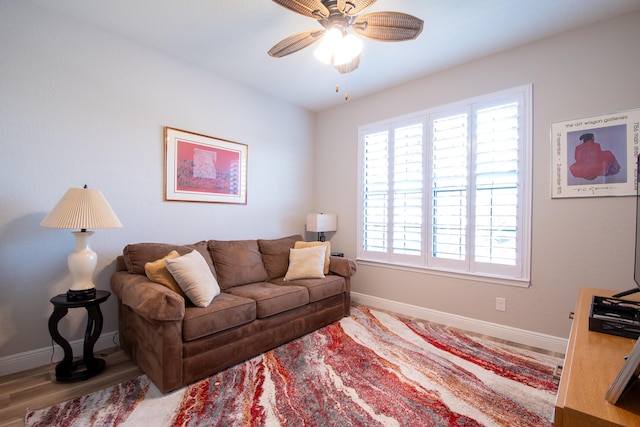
point(318, 289)
point(138, 254)
point(157, 272)
point(275, 254)
point(307, 263)
point(271, 298)
point(237, 262)
point(327, 254)
point(225, 312)
point(194, 278)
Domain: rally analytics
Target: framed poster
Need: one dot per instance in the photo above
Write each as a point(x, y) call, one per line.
point(595, 156)
point(200, 168)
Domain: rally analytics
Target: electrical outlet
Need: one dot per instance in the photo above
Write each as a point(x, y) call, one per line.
point(501, 304)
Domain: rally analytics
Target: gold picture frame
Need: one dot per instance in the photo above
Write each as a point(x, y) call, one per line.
point(201, 168)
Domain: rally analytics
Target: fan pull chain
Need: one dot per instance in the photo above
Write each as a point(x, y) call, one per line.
point(346, 94)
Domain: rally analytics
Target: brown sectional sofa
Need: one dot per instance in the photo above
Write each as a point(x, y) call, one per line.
point(176, 343)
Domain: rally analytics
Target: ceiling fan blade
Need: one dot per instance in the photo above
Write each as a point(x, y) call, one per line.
point(388, 26)
point(311, 8)
point(354, 7)
point(295, 42)
point(349, 66)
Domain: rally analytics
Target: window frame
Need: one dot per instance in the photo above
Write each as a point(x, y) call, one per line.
point(518, 275)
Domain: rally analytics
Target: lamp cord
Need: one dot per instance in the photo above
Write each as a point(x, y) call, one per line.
point(116, 348)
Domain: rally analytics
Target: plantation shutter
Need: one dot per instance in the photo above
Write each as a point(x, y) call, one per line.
point(449, 182)
point(407, 190)
point(449, 188)
point(376, 192)
point(498, 197)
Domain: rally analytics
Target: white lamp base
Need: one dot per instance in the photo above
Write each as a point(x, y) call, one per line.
point(82, 263)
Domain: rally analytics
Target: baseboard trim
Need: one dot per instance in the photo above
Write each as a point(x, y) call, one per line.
point(45, 356)
point(520, 336)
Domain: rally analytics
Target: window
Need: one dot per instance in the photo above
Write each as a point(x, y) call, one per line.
point(449, 188)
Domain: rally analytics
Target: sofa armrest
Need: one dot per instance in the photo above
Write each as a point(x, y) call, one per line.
point(341, 266)
point(149, 299)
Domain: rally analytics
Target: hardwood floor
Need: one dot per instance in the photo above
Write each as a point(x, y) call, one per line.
point(36, 388)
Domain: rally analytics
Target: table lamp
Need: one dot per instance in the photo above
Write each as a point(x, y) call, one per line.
point(322, 222)
point(82, 209)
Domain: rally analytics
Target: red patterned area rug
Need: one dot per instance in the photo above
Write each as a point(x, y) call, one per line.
point(370, 369)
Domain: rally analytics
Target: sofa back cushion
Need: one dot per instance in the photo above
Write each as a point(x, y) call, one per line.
point(275, 254)
point(237, 262)
point(136, 255)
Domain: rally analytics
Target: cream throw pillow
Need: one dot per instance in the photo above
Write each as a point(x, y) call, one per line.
point(194, 277)
point(157, 271)
point(306, 263)
point(327, 254)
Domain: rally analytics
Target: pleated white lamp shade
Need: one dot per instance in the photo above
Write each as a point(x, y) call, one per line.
point(82, 209)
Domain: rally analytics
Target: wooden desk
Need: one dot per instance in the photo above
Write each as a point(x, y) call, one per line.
point(591, 365)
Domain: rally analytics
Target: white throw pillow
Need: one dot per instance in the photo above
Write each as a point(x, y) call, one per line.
point(194, 278)
point(306, 263)
point(327, 254)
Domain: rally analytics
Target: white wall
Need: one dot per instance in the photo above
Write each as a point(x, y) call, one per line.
point(80, 106)
point(576, 242)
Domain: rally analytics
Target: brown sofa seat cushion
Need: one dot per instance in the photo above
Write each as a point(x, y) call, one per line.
point(225, 312)
point(275, 254)
point(271, 298)
point(318, 289)
point(136, 255)
point(237, 262)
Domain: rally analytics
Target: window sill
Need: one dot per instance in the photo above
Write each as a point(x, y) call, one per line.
point(474, 277)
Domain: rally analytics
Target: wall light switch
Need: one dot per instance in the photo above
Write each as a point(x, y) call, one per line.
point(501, 304)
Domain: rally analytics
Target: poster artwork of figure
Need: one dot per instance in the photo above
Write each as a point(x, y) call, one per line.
point(595, 156)
point(591, 161)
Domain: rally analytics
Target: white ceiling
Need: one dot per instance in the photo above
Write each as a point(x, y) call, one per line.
point(232, 37)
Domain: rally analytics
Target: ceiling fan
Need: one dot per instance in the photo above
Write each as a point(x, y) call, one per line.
point(338, 47)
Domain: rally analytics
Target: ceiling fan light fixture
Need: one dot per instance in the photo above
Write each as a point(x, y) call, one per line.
point(337, 48)
point(342, 21)
point(350, 47)
point(328, 45)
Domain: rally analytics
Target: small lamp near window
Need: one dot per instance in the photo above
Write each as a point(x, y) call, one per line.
point(322, 222)
point(82, 209)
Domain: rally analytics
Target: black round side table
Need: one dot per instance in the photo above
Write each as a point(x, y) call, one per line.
point(88, 366)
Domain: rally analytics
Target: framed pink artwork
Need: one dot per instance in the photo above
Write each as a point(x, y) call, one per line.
point(200, 168)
